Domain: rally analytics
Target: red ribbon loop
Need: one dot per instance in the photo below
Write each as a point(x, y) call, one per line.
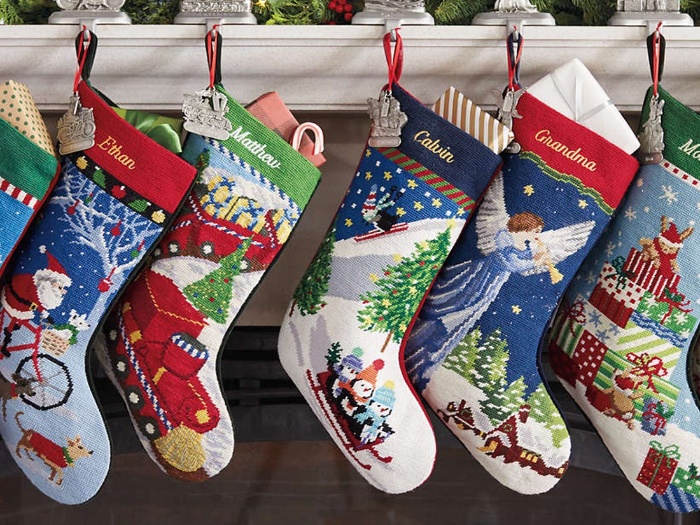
point(514, 59)
point(656, 57)
point(212, 46)
point(82, 56)
point(395, 62)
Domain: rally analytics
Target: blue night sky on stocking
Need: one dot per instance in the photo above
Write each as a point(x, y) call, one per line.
point(83, 264)
point(525, 303)
point(419, 201)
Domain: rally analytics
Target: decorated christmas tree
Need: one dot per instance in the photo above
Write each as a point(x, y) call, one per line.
point(400, 290)
point(212, 295)
point(314, 284)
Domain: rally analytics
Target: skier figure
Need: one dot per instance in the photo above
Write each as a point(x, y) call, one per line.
point(378, 212)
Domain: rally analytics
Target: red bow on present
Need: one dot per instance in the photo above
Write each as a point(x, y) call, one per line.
point(647, 367)
point(574, 313)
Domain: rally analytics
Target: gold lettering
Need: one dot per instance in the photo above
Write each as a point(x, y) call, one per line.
point(434, 146)
point(114, 149)
point(544, 136)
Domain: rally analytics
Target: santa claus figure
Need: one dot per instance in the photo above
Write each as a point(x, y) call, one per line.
point(27, 295)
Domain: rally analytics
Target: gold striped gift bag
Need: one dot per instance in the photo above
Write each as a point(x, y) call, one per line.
point(469, 117)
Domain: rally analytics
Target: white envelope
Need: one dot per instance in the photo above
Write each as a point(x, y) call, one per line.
point(573, 91)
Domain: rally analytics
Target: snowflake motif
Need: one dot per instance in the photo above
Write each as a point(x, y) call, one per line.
point(602, 334)
point(590, 278)
point(680, 317)
point(614, 330)
point(670, 195)
point(610, 248)
point(594, 318)
point(630, 214)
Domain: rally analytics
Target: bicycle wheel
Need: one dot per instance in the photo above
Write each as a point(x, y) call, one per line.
point(55, 386)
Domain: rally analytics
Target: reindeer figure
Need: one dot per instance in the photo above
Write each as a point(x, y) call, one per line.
point(663, 249)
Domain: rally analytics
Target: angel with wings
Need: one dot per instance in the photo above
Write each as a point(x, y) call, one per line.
point(464, 292)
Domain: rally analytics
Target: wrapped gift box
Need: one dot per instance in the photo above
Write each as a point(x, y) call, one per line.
point(614, 309)
point(589, 355)
point(647, 275)
point(659, 467)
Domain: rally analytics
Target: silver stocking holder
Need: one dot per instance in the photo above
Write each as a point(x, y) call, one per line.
point(89, 12)
point(400, 12)
point(218, 11)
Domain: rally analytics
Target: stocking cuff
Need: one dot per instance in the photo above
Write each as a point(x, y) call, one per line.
point(24, 164)
point(134, 159)
point(681, 127)
point(574, 152)
point(270, 154)
point(443, 148)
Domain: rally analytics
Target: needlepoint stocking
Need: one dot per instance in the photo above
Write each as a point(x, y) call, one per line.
point(473, 352)
point(342, 339)
point(624, 356)
point(29, 165)
point(99, 222)
point(165, 336)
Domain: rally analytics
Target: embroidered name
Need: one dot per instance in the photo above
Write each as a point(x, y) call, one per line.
point(544, 136)
point(114, 149)
point(690, 149)
point(434, 146)
point(256, 148)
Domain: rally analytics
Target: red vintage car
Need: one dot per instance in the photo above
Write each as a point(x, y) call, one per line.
point(156, 358)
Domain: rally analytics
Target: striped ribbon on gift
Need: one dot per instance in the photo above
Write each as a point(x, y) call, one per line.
point(469, 117)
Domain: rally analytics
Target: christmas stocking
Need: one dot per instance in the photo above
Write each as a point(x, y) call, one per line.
point(164, 338)
point(342, 340)
point(29, 165)
point(621, 346)
point(107, 211)
point(473, 352)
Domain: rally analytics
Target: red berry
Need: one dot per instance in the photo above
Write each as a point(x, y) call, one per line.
point(339, 9)
point(348, 8)
point(347, 17)
point(341, 2)
point(331, 5)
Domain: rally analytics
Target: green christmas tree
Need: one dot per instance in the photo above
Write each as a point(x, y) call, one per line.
point(333, 355)
point(212, 295)
point(504, 402)
point(489, 372)
point(400, 291)
point(314, 284)
point(543, 411)
point(463, 356)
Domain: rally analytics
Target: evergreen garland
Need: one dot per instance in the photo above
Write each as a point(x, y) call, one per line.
point(8, 13)
point(305, 12)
